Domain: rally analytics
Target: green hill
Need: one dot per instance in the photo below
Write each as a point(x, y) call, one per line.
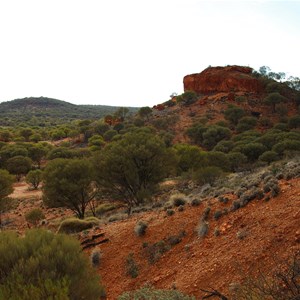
point(45, 111)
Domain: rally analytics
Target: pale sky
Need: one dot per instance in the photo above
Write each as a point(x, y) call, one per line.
point(136, 52)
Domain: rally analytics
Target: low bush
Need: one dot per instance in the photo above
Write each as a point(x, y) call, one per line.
point(104, 208)
point(73, 225)
point(96, 257)
point(42, 265)
point(218, 214)
point(34, 216)
point(178, 199)
point(140, 228)
point(154, 251)
point(195, 202)
point(132, 269)
point(202, 229)
point(170, 212)
point(205, 214)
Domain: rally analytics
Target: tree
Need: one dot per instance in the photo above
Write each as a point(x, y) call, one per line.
point(272, 99)
point(34, 178)
point(121, 113)
point(130, 168)
point(190, 157)
point(6, 188)
point(19, 165)
point(69, 183)
point(145, 111)
point(215, 134)
point(26, 133)
point(43, 265)
point(37, 153)
point(187, 98)
point(233, 114)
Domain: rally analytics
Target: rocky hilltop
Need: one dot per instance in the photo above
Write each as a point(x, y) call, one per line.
point(223, 79)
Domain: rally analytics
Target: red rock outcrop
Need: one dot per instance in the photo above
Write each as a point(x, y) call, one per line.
point(223, 79)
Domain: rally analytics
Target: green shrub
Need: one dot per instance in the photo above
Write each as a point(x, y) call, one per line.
point(74, 225)
point(234, 114)
point(140, 228)
point(149, 293)
point(294, 122)
point(207, 175)
point(269, 156)
point(42, 265)
point(34, 216)
point(34, 178)
point(246, 123)
point(154, 251)
point(218, 214)
point(237, 161)
point(195, 202)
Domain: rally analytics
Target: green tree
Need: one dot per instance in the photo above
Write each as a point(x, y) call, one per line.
point(121, 113)
point(69, 183)
point(131, 167)
point(215, 134)
point(190, 157)
point(19, 165)
point(6, 188)
point(246, 123)
point(37, 153)
point(273, 99)
point(34, 178)
point(26, 133)
point(233, 114)
point(145, 111)
point(187, 98)
point(43, 265)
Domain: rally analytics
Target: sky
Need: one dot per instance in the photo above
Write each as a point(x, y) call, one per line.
point(136, 52)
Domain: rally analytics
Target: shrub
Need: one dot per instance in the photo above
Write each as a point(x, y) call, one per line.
point(181, 208)
point(207, 175)
point(74, 225)
point(202, 229)
point(246, 123)
point(234, 114)
point(34, 178)
point(187, 98)
point(294, 122)
point(43, 265)
point(34, 216)
point(155, 251)
point(95, 257)
point(205, 213)
point(140, 228)
point(178, 199)
point(131, 267)
point(170, 212)
point(218, 214)
point(195, 202)
point(237, 161)
point(149, 293)
point(104, 208)
point(235, 205)
point(269, 156)
point(214, 134)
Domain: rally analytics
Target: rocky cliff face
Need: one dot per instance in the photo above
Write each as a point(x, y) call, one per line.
point(223, 79)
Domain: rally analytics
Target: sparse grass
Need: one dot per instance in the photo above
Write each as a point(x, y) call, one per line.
point(103, 208)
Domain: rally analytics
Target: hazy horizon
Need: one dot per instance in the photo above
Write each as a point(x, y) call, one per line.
point(136, 53)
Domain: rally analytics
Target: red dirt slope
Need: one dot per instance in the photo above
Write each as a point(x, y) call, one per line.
point(271, 232)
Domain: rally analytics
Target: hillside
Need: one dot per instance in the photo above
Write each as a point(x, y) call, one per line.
point(217, 88)
point(47, 110)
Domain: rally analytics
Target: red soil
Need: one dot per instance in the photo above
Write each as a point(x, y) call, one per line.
point(272, 234)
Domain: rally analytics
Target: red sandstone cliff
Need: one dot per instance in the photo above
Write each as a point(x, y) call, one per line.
point(223, 79)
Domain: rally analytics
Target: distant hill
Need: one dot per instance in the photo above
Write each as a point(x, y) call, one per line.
point(45, 111)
